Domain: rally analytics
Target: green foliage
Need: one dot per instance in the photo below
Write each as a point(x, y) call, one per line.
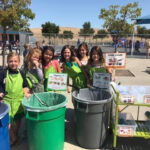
point(49, 29)
point(101, 34)
point(142, 32)
point(15, 14)
point(117, 18)
point(86, 30)
point(66, 35)
point(27, 30)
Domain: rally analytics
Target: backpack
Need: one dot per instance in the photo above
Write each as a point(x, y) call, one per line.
point(36, 86)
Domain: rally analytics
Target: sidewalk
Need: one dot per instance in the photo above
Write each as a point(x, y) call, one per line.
point(138, 67)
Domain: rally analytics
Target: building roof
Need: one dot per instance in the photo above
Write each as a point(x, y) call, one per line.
point(143, 20)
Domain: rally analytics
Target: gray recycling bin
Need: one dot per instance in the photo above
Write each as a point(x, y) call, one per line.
point(92, 116)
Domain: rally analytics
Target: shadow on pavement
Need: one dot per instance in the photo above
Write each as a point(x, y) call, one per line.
point(133, 144)
point(137, 53)
point(122, 143)
point(69, 127)
point(126, 143)
point(22, 143)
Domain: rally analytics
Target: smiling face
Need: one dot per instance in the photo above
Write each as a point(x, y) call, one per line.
point(35, 57)
point(95, 56)
point(67, 54)
point(83, 52)
point(48, 56)
point(13, 62)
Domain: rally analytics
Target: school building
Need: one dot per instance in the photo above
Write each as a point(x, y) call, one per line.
point(11, 35)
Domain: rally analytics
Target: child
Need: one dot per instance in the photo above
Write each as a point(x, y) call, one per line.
point(26, 50)
point(38, 46)
point(13, 84)
point(82, 53)
point(70, 66)
point(34, 72)
point(96, 63)
point(50, 65)
point(25, 53)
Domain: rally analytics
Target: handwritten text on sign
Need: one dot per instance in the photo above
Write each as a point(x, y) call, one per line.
point(57, 81)
point(101, 80)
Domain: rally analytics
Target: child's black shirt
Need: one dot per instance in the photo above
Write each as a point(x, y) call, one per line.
point(3, 74)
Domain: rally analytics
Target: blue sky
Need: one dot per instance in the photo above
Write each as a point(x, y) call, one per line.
point(74, 13)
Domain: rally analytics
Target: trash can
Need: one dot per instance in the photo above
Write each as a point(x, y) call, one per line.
point(45, 115)
point(92, 116)
point(4, 132)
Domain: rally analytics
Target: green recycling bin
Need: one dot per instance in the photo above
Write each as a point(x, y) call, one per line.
point(45, 115)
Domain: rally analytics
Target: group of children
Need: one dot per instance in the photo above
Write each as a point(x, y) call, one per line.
point(16, 83)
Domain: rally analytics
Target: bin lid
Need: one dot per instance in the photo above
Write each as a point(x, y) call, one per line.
point(4, 109)
point(92, 95)
point(52, 100)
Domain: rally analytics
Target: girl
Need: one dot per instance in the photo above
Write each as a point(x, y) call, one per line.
point(25, 53)
point(13, 86)
point(82, 53)
point(71, 67)
point(34, 73)
point(96, 63)
point(50, 65)
point(26, 50)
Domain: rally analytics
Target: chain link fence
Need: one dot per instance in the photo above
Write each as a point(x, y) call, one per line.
point(132, 44)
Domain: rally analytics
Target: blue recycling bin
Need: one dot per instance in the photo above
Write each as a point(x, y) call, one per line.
point(4, 131)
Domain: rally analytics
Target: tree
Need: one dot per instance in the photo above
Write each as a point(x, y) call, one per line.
point(49, 29)
point(101, 34)
point(66, 35)
point(86, 30)
point(117, 19)
point(142, 32)
point(14, 14)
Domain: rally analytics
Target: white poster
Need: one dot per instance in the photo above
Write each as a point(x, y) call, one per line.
point(57, 81)
point(115, 60)
point(101, 80)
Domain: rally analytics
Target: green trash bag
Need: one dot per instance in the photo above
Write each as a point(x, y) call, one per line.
point(44, 101)
point(45, 117)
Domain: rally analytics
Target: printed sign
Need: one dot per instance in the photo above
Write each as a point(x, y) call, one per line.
point(125, 131)
point(57, 81)
point(147, 99)
point(127, 98)
point(101, 80)
point(115, 60)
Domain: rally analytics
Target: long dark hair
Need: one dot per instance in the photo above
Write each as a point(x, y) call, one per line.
point(99, 52)
point(47, 48)
point(84, 45)
point(62, 53)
